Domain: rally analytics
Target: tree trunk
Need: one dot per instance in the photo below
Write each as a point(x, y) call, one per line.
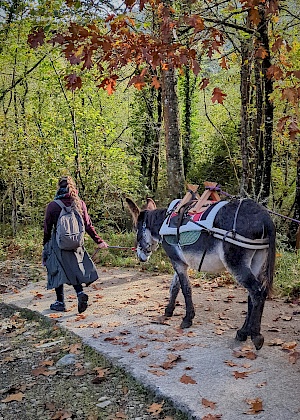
point(269, 108)
point(175, 171)
point(245, 101)
point(186, 137)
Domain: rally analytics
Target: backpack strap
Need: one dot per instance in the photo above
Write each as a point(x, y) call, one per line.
point(60, 203)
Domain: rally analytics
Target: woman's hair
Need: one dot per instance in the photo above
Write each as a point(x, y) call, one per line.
point(67, 184)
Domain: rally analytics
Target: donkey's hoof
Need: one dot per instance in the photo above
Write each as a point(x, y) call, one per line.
point(168, 314)
point(186, 323)
point(241, 335)
point(258, 341)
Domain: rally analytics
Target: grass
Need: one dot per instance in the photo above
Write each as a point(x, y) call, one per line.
point(27, 245)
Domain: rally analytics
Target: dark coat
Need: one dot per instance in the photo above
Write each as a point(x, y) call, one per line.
point(67, 267)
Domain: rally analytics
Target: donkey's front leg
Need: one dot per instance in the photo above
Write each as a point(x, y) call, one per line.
point(187, 293)
point(174, 290)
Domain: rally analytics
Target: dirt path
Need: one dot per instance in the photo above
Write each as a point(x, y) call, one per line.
point(203, 370)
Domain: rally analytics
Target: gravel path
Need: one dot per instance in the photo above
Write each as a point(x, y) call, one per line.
point(203, 372)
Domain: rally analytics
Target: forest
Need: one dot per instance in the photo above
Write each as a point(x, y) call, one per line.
point(138, 99)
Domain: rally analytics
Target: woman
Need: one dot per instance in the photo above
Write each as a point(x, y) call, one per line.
point(68, 267)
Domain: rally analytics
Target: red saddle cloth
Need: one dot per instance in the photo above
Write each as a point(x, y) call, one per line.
point(195, 217)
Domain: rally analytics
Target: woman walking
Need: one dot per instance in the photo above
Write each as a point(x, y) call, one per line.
point(73, 267)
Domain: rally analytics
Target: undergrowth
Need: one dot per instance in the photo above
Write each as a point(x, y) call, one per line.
point(27, 245)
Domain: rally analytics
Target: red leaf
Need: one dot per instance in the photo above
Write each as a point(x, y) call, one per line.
point(204, 82)
point(208, 404)
point(109, 84)
point(254, 16)
point(73, 81)
point(36, 38)
point(186, 379)
point(218, 96)
point(224, 64)
point(256, 406)
point(155, 82)
point(275, 72)
point(195, 67)
point(261, 53)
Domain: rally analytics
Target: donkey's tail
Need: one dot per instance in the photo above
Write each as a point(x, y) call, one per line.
point(270, 266)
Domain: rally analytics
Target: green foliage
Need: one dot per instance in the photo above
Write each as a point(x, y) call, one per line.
point(287, 274)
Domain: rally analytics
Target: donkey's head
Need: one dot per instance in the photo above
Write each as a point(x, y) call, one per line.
point(146, 240)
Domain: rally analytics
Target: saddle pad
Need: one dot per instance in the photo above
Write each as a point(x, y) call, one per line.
point(185, 238)
point(166, 229)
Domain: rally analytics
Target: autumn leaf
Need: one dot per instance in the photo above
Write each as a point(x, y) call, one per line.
point(255, 406)
point(212, 417)
point(218, 96)
point(157, 372)
point(155, 409)
point(204, 82)
point(208, 404)
point(43, 371)
point(289, 345)
point(240, 375)
point(155, 82)
point(61, 415)
point(14, 397)
point(73, 82)
point(36, 38)
point(186, 379)
point(75, 348)
point(171, 361)
point(294, 356)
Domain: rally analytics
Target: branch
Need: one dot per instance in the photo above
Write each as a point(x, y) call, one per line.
point(222, 135)
point(21, 78)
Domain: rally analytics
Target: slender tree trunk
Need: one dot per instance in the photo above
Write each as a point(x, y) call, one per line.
point(268, 107)
point(245, 102)
point(186, 135)
point(175, 171)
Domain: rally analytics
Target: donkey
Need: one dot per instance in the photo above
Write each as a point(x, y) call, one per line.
point(252, 268)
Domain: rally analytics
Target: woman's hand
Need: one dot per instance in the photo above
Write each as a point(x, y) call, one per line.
point(103, 244)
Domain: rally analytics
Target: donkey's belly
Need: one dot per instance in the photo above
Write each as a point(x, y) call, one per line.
point(211, 263)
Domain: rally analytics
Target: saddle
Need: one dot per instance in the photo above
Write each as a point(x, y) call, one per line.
point(184, 215)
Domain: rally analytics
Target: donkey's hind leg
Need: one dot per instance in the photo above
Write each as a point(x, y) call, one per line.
point(244, 331)
point(256, 301)
point(174, 290)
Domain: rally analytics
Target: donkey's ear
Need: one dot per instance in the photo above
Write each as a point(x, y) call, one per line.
point(133, 208)
point(150, 204)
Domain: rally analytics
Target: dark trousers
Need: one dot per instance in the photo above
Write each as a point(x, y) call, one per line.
point(60, 291)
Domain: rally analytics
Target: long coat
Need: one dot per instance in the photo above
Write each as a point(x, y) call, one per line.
point(67, 267)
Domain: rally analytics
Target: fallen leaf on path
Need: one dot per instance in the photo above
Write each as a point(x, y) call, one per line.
point(289, 345)
point(208, 404)
point(256, 406)
point(294, 356)
point(275, 342)
point(61, 415)
point(79, 317)
point(212, 417)
point(54, 316)
point(14, 397)
point(157, 372)
point(186, 379)
point(261, 384)
point(248, 354)
point(43, 371)
point(171, 361)
point(75, 348)
point(240, 375)
point(230, 363)
point(155, 409)
point(120, 415)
